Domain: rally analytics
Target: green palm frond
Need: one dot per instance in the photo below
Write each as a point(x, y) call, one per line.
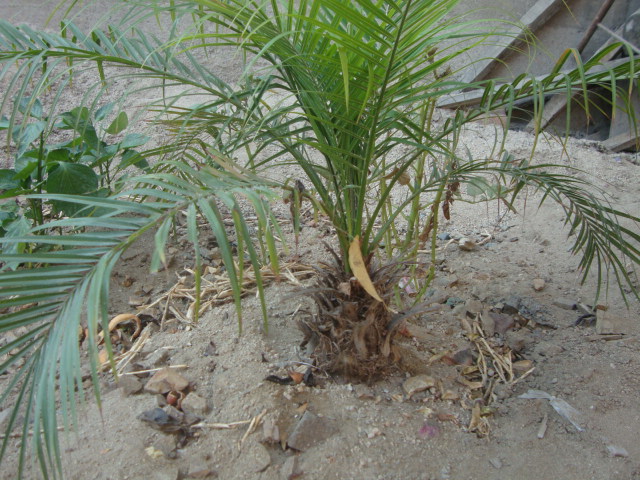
point(606, 238)
point(68, 286)
point(356, 77)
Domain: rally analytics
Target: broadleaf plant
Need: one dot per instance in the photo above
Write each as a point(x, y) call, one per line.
point(343, 91)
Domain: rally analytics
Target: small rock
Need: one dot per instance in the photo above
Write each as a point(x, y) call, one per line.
point(511, 305)
point(256, 458)
point(538, 284)
point(444, 236)
point(584, 309)
point(488, 323)
point(170, 473)
point(309, 431)
point(616, 451)
point(517, 341)
point(416, 384)
point(174, 413)
point(158, 358)
point(435, 295)
point(290, 469)
point(136, 301)
point(467, 244)
point(565, 303)
point(194, 403)
point(548, 349)
point(167, 445)
point(606, 324)
point(496, 463)
point(453, 301)
point(201, 471)
point(211, 350)
point(270, 431)
point(159, 419)
point(366, 393)
point(373, 432)
point(502, 322)
point(463, 357)
point(144, 289)
point(166, 380)
point(129, 384)
point(474, 307)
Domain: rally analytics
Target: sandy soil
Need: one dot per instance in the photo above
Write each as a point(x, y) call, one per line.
point(346, 430)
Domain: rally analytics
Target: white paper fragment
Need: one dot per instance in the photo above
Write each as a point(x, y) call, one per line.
point(616, 451)
point(565, 410)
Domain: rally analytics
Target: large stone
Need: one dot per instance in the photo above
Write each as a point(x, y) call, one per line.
point(310, 431)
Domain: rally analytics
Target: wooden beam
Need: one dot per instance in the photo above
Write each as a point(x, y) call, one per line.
point(624, 141)
point(537, 15)
point(622, 133)
point(558, 103)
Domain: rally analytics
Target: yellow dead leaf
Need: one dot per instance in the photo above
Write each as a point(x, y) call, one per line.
point(359, 269)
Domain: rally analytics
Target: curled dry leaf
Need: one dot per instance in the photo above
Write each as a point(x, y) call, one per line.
point(469, 384)
point(522, 365)
point(117, 320)
point(478, 424)
point(356, 262)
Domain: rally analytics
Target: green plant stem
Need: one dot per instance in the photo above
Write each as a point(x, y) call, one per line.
point(36, 204)
point(426, 116)
point(433, 221)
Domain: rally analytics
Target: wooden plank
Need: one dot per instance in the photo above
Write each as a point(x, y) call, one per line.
point(537, 15)
point(622, 134)
point(558, 103)
point(624, 141)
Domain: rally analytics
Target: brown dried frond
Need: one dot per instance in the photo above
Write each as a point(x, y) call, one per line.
point(351, 333)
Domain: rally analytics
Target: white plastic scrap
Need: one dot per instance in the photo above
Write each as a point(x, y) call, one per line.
point(565, 410)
